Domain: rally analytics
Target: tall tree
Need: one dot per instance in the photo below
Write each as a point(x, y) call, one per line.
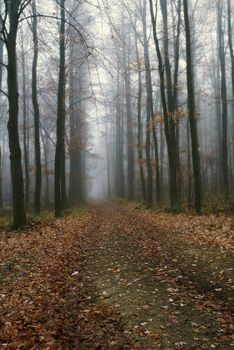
point(129, 119)
point(1, 71)
point(223, 97)
point(77, 119)
point(60, 188)
point(13, 10)
point(119, 159)
point(230, 43)
point(45, 142)
point(37, 200)
point(25, 122)
point(72, 113)
point(149, 197)
point(150, 105)
point(168, 89)
point(192, 112)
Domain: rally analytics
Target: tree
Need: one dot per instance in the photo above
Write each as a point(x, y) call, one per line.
point(60, 187)
point(1, 71)
point(221, 46)
point(230, 43)
point(150, 112)
point(168, 90)
point(13, 11)
point(192, 113)
point(25, 122)
point(129, 120)
point(149, 196)
point(119, 158)
point(37, 202)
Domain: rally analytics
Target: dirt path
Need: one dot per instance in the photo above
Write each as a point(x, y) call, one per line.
point(160, 306)
point(115, 278)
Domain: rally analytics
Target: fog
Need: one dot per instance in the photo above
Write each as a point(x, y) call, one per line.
point(134, 100)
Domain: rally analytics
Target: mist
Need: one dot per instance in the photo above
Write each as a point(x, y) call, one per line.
point(117, 100)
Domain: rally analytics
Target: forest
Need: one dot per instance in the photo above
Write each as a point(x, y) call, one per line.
point(116, 174)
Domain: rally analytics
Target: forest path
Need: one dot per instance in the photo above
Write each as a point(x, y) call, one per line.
point(158, 286)
point(118, 277)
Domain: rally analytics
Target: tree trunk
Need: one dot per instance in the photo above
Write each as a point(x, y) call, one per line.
point(46, 167)
point(108, 175)
point(150, 106)
point(162, 145)
point(60, 144)
point(192, 114)
point(230, 43)
point(13, 97)
point(37, 199)
point(119, 159)
point(1, 60)
point(218, 111)
point(224, 99)
point(189, 198)
point(72, 146)
point(140, 134)
point(130, 146)
point(25, 128)
point(169, 99)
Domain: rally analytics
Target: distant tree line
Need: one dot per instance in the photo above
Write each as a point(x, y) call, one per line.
point(173, 128)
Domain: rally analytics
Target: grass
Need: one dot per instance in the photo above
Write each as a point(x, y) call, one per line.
point(213, 203)
point(46, 216)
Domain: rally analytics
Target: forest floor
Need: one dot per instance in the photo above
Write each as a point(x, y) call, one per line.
point(118, 277)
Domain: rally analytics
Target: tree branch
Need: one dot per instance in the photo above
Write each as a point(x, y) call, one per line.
point(23, 6)
point(4, 65)
point(4, 93)
point(59, 19)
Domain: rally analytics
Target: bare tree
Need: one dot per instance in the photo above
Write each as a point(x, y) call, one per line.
point(192, 113)
point(223, 97)
point(60, 187)
point(37, 202)
point(168, 89)
point(12, 13)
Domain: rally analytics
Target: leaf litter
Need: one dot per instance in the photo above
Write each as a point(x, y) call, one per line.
point(118, 277)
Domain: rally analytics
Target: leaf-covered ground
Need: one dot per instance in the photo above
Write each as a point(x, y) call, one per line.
point(119, 277)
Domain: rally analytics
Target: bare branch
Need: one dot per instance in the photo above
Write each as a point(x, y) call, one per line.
point(4, 93)
point(4, 65)
point(23, 6)
point(59, 19)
